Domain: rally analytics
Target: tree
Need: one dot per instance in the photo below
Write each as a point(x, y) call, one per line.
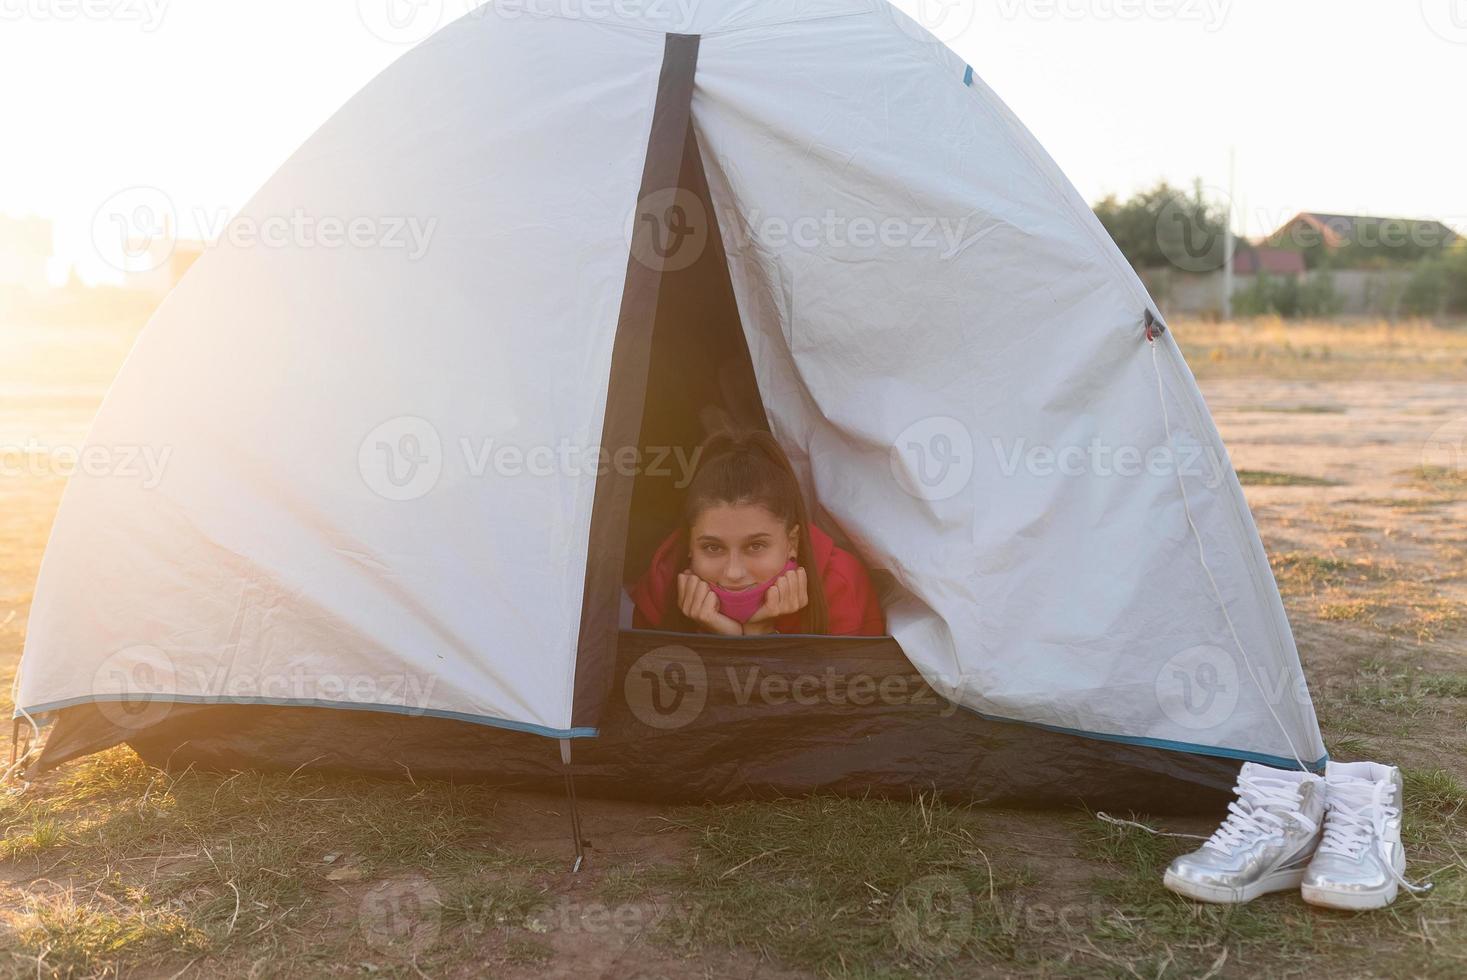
point(1166, 226)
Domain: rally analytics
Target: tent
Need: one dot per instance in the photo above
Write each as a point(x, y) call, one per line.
point(412, 465)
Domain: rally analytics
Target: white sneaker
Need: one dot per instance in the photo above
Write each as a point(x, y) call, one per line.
point(1360, 862)
point(1263, 845)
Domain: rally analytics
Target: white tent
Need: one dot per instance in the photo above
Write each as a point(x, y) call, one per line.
point(380, 427)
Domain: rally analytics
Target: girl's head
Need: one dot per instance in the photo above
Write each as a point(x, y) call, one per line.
point(744, 517)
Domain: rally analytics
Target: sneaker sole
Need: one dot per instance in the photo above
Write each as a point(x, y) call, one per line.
point(1348, 901)
point(1278, 881)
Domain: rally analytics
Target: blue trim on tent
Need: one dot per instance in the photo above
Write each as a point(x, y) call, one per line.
point(1277, 761)
point(968, 76)
point(393, 709)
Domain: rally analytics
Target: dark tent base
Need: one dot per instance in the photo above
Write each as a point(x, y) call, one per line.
point(697, 718)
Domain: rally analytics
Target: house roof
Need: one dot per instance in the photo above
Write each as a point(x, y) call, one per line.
point(1340, 229)
point(1274, 261)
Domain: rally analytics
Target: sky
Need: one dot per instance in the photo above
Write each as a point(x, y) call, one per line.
point(1350, 106)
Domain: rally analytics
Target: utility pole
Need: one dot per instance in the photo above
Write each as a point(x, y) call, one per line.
point(1228, 245)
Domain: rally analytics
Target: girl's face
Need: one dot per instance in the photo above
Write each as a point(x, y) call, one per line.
point(738, 545)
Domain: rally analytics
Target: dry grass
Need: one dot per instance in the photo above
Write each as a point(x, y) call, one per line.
point(1395, 599)
point(133, 868)
point(1323, 350)
point(1269, 478)
point(1439, 479)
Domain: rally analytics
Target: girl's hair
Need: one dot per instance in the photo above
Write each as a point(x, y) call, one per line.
point(737, 466)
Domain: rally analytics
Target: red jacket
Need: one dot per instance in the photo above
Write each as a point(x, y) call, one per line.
point(849, 594)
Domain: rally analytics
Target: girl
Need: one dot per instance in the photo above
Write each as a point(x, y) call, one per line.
point(746, 561)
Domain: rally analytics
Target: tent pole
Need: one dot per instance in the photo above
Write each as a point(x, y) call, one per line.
point(575, 813)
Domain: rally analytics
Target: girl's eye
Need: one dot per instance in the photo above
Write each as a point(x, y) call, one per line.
point(757, 546)
point(712, 549)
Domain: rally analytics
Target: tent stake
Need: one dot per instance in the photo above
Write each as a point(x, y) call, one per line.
point(575, 813)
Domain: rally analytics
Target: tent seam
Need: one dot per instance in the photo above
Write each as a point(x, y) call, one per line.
point(1019, 137)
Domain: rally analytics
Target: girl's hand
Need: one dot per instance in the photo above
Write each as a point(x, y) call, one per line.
point(789, 594)
point(698, 603)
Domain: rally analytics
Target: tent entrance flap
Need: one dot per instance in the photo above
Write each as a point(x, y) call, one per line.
point(631, 352)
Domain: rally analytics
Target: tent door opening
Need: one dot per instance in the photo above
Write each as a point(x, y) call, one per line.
point(699, 361)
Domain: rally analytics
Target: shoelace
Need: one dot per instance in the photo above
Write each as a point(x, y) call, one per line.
point(1357, 815)
point(1253, 814)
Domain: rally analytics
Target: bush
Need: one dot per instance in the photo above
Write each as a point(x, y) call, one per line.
point(1313, 295)
point(1439, 284)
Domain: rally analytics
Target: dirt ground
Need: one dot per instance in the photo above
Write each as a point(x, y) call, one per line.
point(110, 869)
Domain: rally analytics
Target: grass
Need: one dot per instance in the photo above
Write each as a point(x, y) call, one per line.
point(1403, 608)
point(623, 884)
point(508, 898)
point(1295, 409)
point(1382, 703)
point(1392, 599)
point(1267, 478)
point(1163, 934)
point(1298, 571)
point(1167, 935)
point(525, 951)
point(842, 886)
point(243, 865)
point(1433, 832)
point(1401, 503)
point(1401, 685)
point(1445, 686)
point(69, 935)
point(1352, 610)
point(863, 889)
point(34, 835)
point(1438, 479)
point(1323, 350)
point(1347, 746)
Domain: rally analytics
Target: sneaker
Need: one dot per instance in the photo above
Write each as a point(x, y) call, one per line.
point(1360, 862)
point(1264, 844)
